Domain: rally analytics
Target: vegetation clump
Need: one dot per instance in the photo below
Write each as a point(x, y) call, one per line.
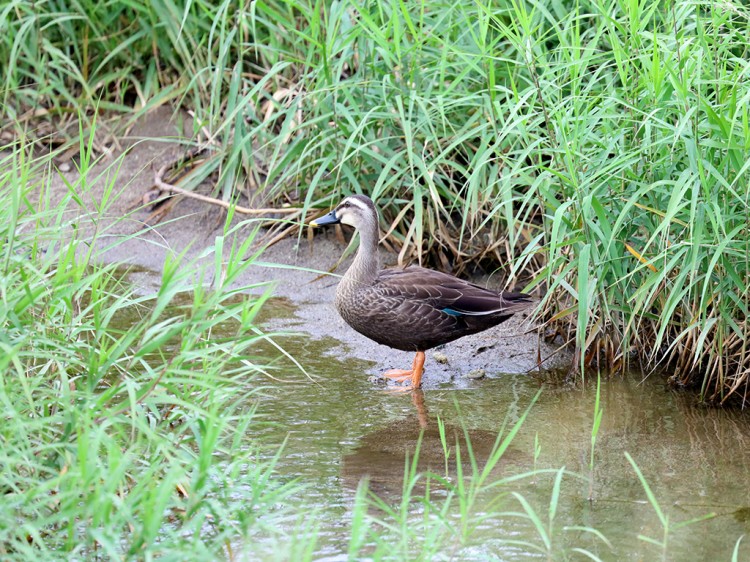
point(598, 145)
point(122, 414)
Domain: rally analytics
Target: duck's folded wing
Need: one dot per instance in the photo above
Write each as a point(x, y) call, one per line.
point(447, 293)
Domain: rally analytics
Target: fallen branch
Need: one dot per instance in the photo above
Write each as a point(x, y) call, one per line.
point(161, 184)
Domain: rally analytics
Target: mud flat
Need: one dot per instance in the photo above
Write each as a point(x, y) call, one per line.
point(192, 227)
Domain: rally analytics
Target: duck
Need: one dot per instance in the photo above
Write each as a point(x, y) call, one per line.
point(409, 308)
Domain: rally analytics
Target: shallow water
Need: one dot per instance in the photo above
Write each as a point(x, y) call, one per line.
point(344, 426)
point(695, 459)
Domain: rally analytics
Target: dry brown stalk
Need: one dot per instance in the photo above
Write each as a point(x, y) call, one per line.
point(161, 184)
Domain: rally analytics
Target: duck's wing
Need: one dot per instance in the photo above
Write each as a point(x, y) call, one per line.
point(447, 293)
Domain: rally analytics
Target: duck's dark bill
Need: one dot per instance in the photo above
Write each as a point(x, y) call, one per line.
point(330, 218)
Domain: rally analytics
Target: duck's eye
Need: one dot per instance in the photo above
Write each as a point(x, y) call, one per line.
point(346, 204)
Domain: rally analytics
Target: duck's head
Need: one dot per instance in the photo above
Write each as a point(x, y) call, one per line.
point(355, 210)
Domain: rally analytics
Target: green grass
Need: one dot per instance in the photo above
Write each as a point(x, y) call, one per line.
point(667, 526)
point(446, 516)
point(123, 415)
point(598, 147)
point(129, 421)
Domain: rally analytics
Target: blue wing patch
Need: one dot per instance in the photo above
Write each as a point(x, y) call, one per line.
point(452, 312)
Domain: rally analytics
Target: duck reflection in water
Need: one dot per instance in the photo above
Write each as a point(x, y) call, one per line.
point(381, 455)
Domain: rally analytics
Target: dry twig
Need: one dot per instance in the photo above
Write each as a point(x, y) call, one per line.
point(161, 184)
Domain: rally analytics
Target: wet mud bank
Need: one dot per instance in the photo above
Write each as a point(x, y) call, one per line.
point(292, 265)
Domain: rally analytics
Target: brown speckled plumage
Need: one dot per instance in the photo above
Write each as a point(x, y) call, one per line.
point(404, 308)
point(412, 309)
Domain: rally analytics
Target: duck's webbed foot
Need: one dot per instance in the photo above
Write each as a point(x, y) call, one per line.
point(413, 375)
point(398, 375)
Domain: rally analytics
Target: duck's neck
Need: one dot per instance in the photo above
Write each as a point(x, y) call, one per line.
point(366, 265)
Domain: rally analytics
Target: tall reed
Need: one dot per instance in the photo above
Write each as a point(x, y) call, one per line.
point(598, 146)
point(123, 416)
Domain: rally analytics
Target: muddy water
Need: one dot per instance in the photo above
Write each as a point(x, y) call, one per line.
point(696, 461)
point(345, 426)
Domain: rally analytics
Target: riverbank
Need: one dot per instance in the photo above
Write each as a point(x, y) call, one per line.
point(295, 266)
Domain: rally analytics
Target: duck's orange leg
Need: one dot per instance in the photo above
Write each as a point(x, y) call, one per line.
point(414, 374)
point(417, 370)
